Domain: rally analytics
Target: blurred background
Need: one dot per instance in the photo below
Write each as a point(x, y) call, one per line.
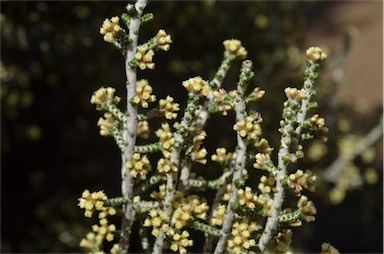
point(53, 58)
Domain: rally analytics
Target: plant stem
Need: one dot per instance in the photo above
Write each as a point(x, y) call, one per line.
point(129, 127)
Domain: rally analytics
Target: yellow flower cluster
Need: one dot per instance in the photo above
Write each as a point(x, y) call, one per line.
point(166, 139)
point(300, 180)
point(294, 94)
point(110, 28)
point(93, 202)
point(258, 93)
point(156, 221)
point(144, 57)
point(102, 95)
point(139, 165)
point(104, 231)
point(105, 123)
point(241, 236)
point(261, 159)
point(247, 198)
point(169, 108)
point(163, 40)
point(90, 241)
point(142, 129)
point(179, 241)
point(143, 93)
point(318, 123)
point(160, 195)
point(196, 153)
point(197, 86)
point(115, 249)
point(283, 239)
point(307, 209)
point(221, 156)
point(316, 54)
point(194, 205)
point(234, 47)
point(218, 215)
point(262, 146)
point(249, 127)
point(166, 166)
point(218, 99)
point(267, 184)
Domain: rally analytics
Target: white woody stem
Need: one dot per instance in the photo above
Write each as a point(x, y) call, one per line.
point(175, 158)
point(241, 157)
point(129, 127)
point(203, 115)
point(286, 137)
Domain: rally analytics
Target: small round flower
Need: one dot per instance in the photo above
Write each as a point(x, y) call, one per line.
point(180, 241)
point(307, 209)
point(102, 95)
point(197, 86)
point(163, 40)
point(267, 184)
point(159, 195)
point(144, 57)
point(197, 154)
point(234, 47)
point(104, 231)
point(90, 241)
point(262, 146)
point(169, 108)
point(139, 165)
point(156, 220)
point(283, 239)
point(166, 166)
point(247, 198)
point(92, 202)
point(115, 249)
point(241, 236)
point(261, 160)
point(166, 139)
point(249, 127)
point(221, 156)
point(218, 216)
point(109, 28)
point(105, 123)
point(142, 129)
point(316, 54)
point(294, 94)
point(218, 99)
point(143, 93)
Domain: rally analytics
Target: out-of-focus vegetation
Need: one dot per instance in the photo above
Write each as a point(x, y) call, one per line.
point(53, 58)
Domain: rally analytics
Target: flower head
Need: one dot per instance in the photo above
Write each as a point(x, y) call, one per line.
point(92, 202)
point(163, 40)
point(166, 139)
point(234, 47)
point(144, 57)
point(316, 54)
point(139, 165)
point(221, 156)
point(241, 236)
point(104, 231)
point(109, 28)
point(168, 107)
point(143, 93)
point(197, 86)
point(249, 127)
point(102, 95)
point(105, 123)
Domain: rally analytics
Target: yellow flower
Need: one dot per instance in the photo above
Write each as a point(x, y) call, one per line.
point(221, 156)
point(144, 57)
point(104, 231)
point(102, 95)
point(92, 202)
point(142, 129)
point(109, 28)
point(241, 236)
point(105, 123)
point(316, 54)
point(143, 93)
point(168, 107)
point(166, 139)
point(249, 127)
point(234, 47)
point(166, 166)
point(139, 165)
point(163, 40)
point(197, 86)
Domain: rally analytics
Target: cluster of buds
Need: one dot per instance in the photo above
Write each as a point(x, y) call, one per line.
point(157, 220)
point(102, 95)
point(223, 100)
point(143, 93)
point(104, 231)
point(166, 139)
point(109, 28)
point(180, 241)
point(294, 94)
point(144, 57)
point(316, 54)
point(105, 123)
point(163, 40)
point(307, 209)
point(197, 86)
point(139, 165)
point(234, 47)
point(221, 156)
point(241, 236)
point(249, 127)
point(169, 107)
point(300, 180)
